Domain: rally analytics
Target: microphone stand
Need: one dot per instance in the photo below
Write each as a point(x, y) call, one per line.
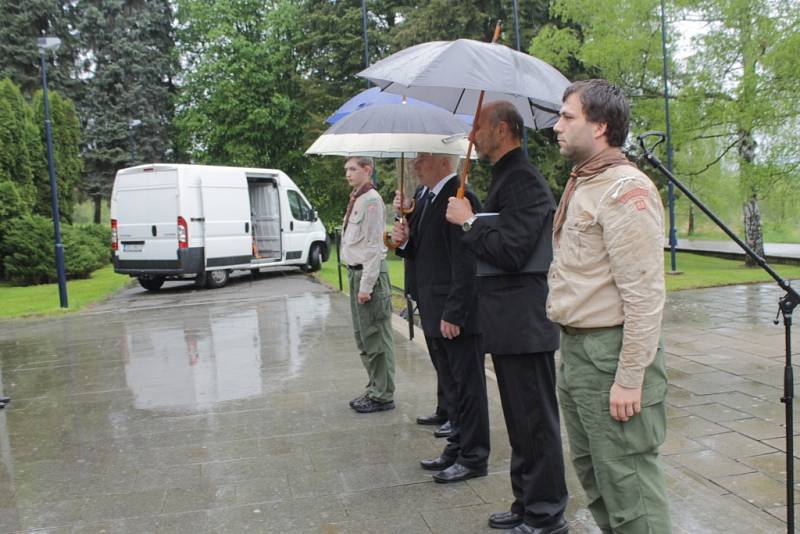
point(786, 306)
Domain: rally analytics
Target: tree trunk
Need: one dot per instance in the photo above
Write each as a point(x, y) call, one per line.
point(98, 204)
point(690, 228)
point(753, 233)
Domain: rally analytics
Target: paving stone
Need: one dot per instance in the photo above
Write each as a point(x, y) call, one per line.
point(231, 415)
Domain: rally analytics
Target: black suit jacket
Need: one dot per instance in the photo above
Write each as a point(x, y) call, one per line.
point(409, 275)
point(444, 268)
point(512, 312)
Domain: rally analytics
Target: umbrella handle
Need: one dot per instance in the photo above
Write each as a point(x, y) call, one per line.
point(498, 30)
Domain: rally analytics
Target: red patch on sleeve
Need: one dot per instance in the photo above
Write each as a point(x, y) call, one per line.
point(640, 205)
point(635, 193)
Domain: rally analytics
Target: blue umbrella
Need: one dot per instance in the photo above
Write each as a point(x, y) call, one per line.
point(374, 95)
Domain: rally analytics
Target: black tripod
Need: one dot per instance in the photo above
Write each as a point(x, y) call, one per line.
point(786, 306)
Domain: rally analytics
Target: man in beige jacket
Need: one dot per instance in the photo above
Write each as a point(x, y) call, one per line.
point(607, 294)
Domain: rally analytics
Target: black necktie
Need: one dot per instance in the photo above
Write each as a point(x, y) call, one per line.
point(427, 198)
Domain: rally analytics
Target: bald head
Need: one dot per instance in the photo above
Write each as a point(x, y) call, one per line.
point(497, 131)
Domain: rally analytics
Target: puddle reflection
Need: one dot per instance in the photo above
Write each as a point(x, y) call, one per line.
point(211, 356)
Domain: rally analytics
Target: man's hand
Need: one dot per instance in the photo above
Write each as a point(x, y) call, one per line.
point(449, 330)
point(400, 232)
point(458, 210)
point(396, 202)
point(363, 298)
point(624, 402)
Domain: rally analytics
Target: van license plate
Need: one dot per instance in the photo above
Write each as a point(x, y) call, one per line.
point(132, 247)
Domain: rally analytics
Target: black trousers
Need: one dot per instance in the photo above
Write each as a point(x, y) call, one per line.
point(527, 384)
point(441, 398)
point(463, 376)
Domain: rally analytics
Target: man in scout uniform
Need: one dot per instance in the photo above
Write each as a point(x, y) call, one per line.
point(364, 254)
point(607, 293)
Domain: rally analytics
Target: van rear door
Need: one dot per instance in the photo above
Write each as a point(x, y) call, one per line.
point(146, 212)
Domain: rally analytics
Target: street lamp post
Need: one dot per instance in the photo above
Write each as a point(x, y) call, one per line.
point(673, 240)
point(45, 44)
point(133, 123)
point(519, 49)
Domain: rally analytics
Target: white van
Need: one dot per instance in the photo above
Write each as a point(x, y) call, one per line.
point(202, 222)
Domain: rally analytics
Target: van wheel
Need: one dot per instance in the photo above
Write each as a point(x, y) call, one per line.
point(314, 262)
point(217, 279)
point(151, 283)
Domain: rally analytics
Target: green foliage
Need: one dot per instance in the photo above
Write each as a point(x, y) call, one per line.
point(66, 153)
point(22, 23)
point(20, 147)
point(127, 74)
point(28, 244)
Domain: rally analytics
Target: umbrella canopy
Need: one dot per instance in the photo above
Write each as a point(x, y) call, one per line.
point(373, 96)
point(392, 131)
point(451, 75)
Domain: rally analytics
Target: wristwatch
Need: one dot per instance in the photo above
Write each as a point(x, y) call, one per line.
point(468, 223)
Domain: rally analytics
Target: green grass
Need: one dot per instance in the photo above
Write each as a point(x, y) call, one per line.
point(704, 271)
point(697, 271)
point(43, 299)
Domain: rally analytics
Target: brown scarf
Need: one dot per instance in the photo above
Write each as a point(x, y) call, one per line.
point(603, 160)
point(357, 192)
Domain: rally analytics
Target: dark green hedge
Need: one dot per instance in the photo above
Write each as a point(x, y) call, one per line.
point(27, 250)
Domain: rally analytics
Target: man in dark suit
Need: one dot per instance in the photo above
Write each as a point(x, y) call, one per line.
point(439, 416)
point(516, 330)
point(446, 288)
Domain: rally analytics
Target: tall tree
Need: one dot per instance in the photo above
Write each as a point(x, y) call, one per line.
point(66, 138)
point(731, 98)
point(744, 77)
point(22, 23)
point(127, 75)
point(20, 146)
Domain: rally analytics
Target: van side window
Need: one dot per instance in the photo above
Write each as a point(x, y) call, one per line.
point(301, 211)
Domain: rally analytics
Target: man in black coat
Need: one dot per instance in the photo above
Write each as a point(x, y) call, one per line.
point(447, 298)
point(515, 248)
point(439, 416)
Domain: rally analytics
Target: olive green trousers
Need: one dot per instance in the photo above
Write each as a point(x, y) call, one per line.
point(372, 328)
point(616, 462)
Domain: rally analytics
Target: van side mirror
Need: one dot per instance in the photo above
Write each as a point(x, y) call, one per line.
point(314, 216)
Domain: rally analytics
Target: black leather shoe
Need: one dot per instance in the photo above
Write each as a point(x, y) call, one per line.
point(437, 464)
point(559, 528)
point(505, 520)
point(457, 473)
point(443, 431)
point(434, 419)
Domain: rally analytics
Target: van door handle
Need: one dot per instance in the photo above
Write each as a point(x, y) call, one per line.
point(247, 227)
point(291, 226)
point(153, 230)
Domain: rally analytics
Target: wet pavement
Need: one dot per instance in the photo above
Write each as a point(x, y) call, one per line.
point(226, 411)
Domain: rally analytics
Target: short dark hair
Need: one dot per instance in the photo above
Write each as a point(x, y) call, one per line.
point(504, 111)
point(603, 102)
point(362, 161)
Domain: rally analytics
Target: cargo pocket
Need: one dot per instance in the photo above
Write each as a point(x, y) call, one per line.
point(603, 348)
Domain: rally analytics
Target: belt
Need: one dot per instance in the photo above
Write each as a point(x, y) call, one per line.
point(571, 330)
point(355, 267)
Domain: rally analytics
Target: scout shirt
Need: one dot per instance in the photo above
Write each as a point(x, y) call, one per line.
point(608, 266)
point(362, 241)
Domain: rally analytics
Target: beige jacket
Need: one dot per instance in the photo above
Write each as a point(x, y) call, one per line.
point(362, 241)
point(608, 266)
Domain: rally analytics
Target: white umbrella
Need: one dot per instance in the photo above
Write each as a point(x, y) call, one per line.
point(394, 131)
point(451, 75)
